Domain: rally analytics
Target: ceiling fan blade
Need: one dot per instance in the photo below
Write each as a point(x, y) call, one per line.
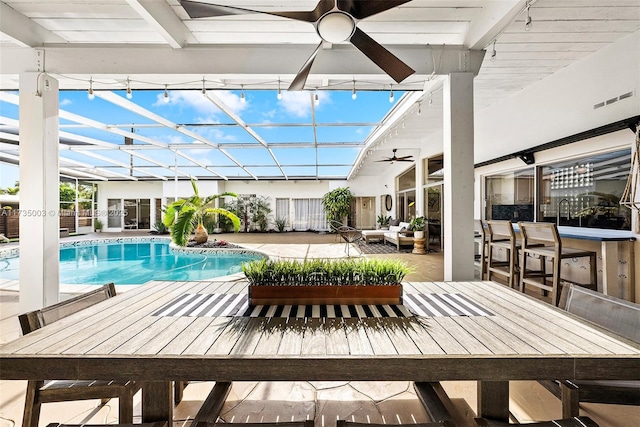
point(301, 78)
point(196, 9)
point(404, 157)
point(403, 160)
point(385, 160)
point(363, 9)
point(384, 59)
point(206, 10)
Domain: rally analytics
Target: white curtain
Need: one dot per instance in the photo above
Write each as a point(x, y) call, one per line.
point(309, 215)
point(282, 210)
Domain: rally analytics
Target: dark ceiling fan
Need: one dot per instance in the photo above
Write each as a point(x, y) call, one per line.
point(335, 21)
point(396, 159)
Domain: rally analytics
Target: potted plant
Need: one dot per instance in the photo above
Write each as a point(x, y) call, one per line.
point(97, 225)
point(417, 225)
point(337, 204)
point(185, 215)
point(322, 281)
point(383, 222)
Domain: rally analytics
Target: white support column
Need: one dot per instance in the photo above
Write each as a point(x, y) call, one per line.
point(458, 176)
point(420, 210)
point(39, 191)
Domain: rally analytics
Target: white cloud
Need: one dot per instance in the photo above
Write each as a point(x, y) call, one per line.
point(194, 99)
point(298, 103)
point(65, 101)
point(269, 115)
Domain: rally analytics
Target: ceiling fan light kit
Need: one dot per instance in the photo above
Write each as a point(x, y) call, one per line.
point(335, 21)
point(335, 27)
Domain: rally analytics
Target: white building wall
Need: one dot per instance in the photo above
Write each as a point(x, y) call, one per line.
point(129, 190)
point(562, 104)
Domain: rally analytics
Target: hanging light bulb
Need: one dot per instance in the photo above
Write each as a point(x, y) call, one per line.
point(354, 95)
point(420, 108)
point(90, 93)
point(316, 98)
point(129, 93)
point(391, 94)
point(279, 96)
point(204, 89)
point(166, 95)
point(242, 98)
point(493, 53)
point(527, 22)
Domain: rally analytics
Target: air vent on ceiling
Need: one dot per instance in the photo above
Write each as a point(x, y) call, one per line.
point(612, 100)
point(625, 95)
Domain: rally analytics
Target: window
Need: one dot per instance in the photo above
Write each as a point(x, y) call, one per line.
point(114, 212)
point(309, 215)
point(585, 192)
point(282, 210)
point(510, 195)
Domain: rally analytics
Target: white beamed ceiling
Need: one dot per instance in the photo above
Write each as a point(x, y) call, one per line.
point(563, 32)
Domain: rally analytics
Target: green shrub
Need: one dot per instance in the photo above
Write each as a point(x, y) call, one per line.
point(325, 272)
point(281, 224)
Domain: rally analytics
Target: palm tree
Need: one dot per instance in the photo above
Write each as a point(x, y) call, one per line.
point(182, 216)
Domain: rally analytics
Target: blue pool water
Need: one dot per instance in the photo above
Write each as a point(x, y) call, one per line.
point(135, 263)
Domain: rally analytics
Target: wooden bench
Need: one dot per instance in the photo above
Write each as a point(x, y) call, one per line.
point(612, 314)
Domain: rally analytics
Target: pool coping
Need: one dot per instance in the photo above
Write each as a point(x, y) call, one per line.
point(14, 251)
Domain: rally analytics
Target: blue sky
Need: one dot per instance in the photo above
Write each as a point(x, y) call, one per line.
point(259, 108)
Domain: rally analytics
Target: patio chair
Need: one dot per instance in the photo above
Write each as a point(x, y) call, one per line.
point(541, 240)
point(482, 239)
point(349, 235)
point(502, 238)
point(565, 422)
point(613, 314)
point(39, 392)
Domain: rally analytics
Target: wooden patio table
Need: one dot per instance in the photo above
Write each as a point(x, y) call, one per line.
point(511, 336)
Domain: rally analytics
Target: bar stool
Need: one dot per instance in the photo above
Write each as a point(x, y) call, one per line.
point(482, 237)
point(541, 239)
point(502, 237)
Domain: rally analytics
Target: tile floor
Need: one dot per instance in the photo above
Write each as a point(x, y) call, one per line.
point(386, 402)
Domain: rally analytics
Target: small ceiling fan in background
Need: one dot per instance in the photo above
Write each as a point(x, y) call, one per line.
point(396, 159)
point(335, 21)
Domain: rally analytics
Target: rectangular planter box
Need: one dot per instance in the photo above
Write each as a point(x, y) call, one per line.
point(309, 295)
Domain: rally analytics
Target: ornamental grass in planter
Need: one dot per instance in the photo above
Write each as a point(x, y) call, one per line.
point(365, 281)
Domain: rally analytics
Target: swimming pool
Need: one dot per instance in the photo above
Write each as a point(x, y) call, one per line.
point(136, 262)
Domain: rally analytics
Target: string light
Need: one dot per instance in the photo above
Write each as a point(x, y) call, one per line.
point(166, 94)
point(90, 93)
point(279, 96)
point(354, 95)
point(420, 108)
point(430, 99)
point(391, 94)
point(527, 23)
point(493, 53)
point(316, 98)
point(129, 93)
point(204, 89)
point(242, 98)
